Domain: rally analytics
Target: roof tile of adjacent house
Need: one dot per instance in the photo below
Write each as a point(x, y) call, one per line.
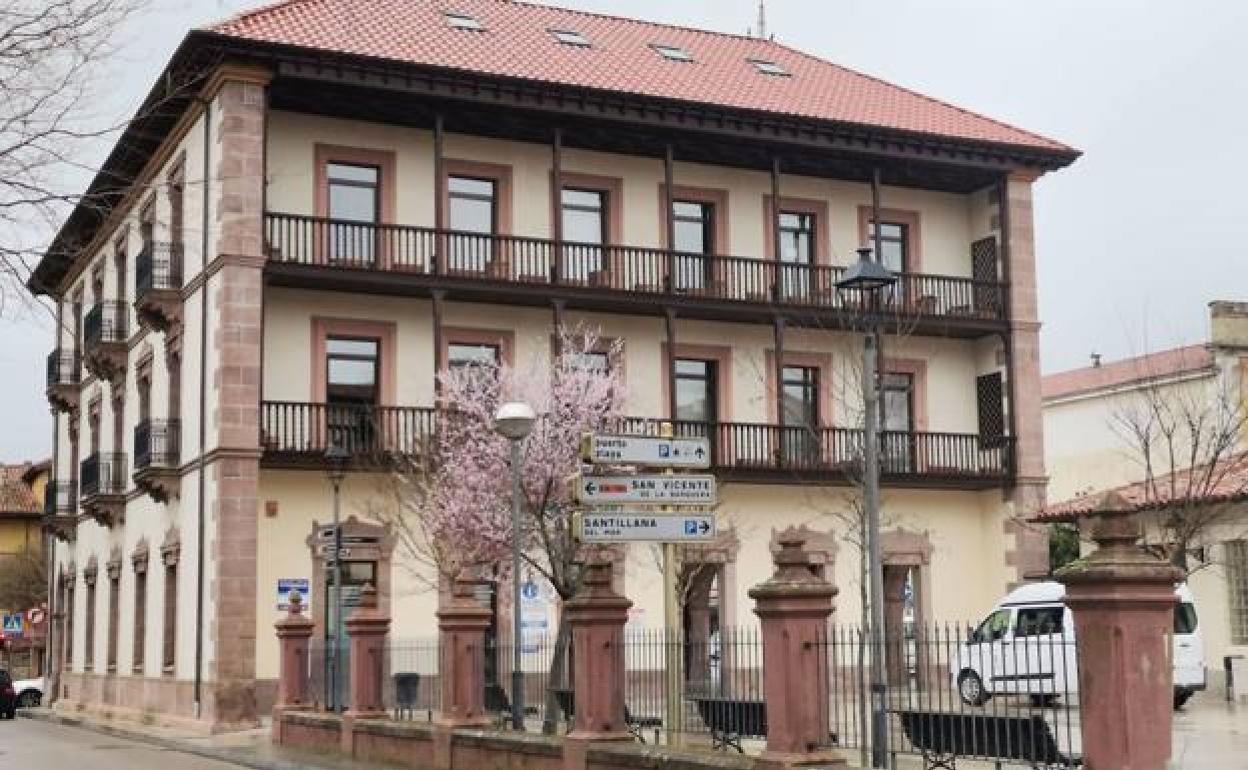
point(1165, 363)
point(514, 41)
point(16, 494)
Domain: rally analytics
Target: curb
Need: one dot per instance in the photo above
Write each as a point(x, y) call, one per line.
point(233, 756)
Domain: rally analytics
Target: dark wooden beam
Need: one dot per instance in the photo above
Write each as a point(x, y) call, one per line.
point(439, 191)
point(669, 323)
point(557, 307)
point(439, 299)
point(775, 227)
point(669, 220)
point(556, 180)
point(778, 329)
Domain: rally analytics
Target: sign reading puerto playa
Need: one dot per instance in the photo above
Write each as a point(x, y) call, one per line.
point(685, 489)
point(625, 527)
point(649, 451)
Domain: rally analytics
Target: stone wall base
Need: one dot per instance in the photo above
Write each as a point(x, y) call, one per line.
point(162, 701)
point(410, 744)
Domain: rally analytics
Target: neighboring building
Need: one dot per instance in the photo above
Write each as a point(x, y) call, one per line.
point(1089, 453)
point(356, 194)
point(22, 488)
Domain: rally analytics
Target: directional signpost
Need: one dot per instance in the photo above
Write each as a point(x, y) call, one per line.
point(637, 526)
point(685, 489)
point(650, 451)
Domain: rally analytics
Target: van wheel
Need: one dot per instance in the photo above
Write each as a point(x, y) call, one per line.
point(971, 689)
point(1181, 697)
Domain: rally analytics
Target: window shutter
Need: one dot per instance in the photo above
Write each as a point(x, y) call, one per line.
point(991, 405)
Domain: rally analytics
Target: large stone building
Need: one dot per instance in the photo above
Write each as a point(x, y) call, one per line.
point(323, 203)
point(1093, 446)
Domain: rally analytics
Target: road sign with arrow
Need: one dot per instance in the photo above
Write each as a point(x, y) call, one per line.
point(649, 451)
point(686, 489)
point(633, 526)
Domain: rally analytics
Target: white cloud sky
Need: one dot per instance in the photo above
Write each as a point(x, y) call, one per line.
point(1133, 241)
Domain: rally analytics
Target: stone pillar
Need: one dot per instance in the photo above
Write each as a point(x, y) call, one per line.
point(794, 607)
point(293, 634)
point(1123, 601)
point(596, 616)
point(462, 624)
point(367, 627)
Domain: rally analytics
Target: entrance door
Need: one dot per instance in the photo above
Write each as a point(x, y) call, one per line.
point(355, 575)
point(797, 254)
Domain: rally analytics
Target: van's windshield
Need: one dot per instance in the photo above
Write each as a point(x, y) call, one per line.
point(1185, 618)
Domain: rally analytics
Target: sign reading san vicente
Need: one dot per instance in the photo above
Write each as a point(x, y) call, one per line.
point(690, 489)
point(636, 526)
point(650, 451)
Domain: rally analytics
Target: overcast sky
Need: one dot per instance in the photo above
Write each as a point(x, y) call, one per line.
point(1132, 241)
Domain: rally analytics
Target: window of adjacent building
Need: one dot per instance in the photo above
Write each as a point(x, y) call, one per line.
point(351, 390)
point(114, 613)
point(119, 266)
point(68, 642)
point(89, 643)
point(93, 426)
point(464, 21)
point(694, 240)
point(570, 37)
point(797, 251)
point(169, 636)
point(119, 427)
point(696, 390)
point(584, 214)
point(173, 362)
point(461, 354)
point(140, 615)
point(1236, 558)
point(472, 213)
point(672, 52)
point(177, 195)
point(354, 200)
point(894, 245)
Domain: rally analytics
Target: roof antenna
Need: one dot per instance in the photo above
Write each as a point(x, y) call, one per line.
point(762, 19)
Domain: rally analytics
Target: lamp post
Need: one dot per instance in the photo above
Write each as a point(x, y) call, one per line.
point(869, 277)
point(336, 459)
point(513, 421)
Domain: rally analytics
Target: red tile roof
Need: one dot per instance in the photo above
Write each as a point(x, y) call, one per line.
point(16, 495)
point(516, 43)
point(1166, 363)
point(1228, 481)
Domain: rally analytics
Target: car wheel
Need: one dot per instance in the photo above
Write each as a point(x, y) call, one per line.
point(29, 699)
point(971, 689)
point(1181, 697)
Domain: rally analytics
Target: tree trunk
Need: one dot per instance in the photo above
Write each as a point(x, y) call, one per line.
point(559, 676)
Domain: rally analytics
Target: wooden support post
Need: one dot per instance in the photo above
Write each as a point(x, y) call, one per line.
point(669, 317)
point(439, 196)
point(556, 181)
point(439, 365)
point(669, 203)
point(776, 206)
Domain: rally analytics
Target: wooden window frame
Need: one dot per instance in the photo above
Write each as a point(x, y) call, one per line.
point(914, 232)
point(819, 361)
point(386, 332)
point(721, 355)
point(89, 575)
point(716, 197)
point(114, 611)
point(817, 208)
point(383, 160)
point(498, 173)
point(138, 561)
point(170, 555)
point(917, 369)
point(504, 339)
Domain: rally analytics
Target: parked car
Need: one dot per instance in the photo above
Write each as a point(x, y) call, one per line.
point(29, 692)
point(8, 696)
point(1026, 646)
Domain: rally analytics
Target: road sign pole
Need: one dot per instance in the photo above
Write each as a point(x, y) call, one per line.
point(671, 622)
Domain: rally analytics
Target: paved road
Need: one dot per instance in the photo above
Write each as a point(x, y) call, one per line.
point(27, 743)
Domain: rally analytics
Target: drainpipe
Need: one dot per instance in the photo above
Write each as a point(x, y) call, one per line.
point(203, 417)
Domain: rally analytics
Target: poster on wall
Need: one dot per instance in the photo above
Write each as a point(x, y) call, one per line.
point(286, 587)
point(535, 613)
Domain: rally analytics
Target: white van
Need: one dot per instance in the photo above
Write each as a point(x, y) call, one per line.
point(1026, 646)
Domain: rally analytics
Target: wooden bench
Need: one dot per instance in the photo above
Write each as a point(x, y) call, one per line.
point(942, 737)
point(730, 720)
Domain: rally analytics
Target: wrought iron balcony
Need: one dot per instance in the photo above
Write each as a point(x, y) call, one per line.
point(158, 284)
point(105, 332)
point(296, 434)
point(64, 376)
point(157, 449)
point(319, 252)
point(60, 509)
point(102, 481)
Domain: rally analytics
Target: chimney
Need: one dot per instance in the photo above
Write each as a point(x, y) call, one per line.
point(1096, 360)
point(762, 20)
point(1228, 325)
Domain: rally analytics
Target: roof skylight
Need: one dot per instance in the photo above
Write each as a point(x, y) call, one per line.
point(673, 52)
point(769, 67)
point(570, 37)
point(463, 21)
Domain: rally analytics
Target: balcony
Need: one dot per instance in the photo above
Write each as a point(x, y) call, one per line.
point(296, 434)
point(105, 333)
point(64, 376)
point(102, 480)
point(60, 509)
point(158, 285)
point(313, 252)
point(157, 449)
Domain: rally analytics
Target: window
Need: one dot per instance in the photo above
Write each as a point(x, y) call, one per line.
point(800, 393)
point(1185, 620)
point(114, 613)
point(592, 361)
point(351, 394)
point(1237, 588)
point(694, 230)
point(119, 261)
point(140, 612)
point(570, 37)
point(898, 439)
point(168, 652)
point(994, 627)
point(696, 390)
point(473, 213)
point(584, 215)
point(464, 21)
point(894, 245)
point(89, 646)
point(472, 354)
point(990, 403)
point(769, 67)
point(672, 52)
point(1038, 621)
point(177, 194)
point(354, 201)
point(797, 252)
point(68, 643)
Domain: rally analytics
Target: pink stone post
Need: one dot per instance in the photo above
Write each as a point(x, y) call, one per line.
point(462, 625)
point(293, 633)
point(794, 607)
point(1123, 601)
point(367, 627)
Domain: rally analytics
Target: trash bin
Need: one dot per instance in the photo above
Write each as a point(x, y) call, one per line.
point(1236, 668)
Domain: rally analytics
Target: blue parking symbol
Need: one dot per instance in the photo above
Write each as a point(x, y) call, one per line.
point(665, 450)
point(691, 527)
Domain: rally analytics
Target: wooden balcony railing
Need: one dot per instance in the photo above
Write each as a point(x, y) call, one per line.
point(295, 239)
point(299, 433)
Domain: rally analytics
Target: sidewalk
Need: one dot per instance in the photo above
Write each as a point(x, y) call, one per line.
point(250, 748)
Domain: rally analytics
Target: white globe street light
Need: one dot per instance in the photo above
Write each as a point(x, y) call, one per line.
point(514, 420)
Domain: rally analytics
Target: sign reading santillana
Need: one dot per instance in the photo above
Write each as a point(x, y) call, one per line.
point(689, 489)
point(654, 452)
point(632, 527)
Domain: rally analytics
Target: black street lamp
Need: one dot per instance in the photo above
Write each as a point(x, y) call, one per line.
point(336, 460)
